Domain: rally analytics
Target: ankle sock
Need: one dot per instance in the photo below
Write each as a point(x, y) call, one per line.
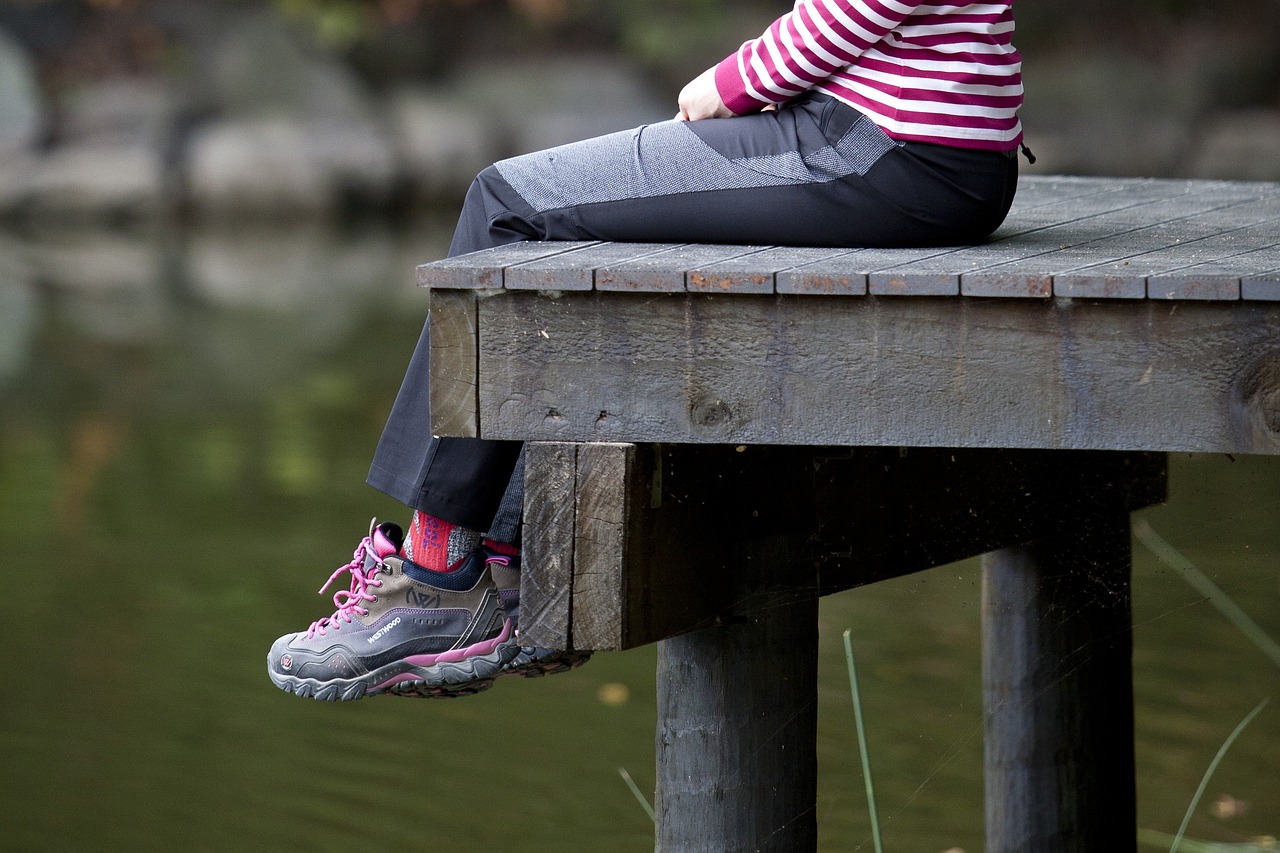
point(502, 547)
point(438, 545)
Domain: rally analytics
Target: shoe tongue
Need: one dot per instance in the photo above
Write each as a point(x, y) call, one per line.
point(387, 539)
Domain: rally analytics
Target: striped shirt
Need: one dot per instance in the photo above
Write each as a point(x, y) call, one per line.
point(946, 74)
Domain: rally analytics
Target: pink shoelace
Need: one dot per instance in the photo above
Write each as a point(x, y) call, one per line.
point(349, 601)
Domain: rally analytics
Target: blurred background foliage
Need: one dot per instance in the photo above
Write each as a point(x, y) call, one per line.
point(388, 39)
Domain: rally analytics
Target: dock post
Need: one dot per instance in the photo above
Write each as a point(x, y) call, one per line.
point(1057, 668)
point(737, 725)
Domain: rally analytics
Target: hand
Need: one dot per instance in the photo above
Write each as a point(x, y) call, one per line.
point(700, 99)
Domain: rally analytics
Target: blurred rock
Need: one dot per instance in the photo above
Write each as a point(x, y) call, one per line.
point(1242, 145)
point(260, 69)
point(297, 135)
point(21, 111)
point(282, 168)
point(440, 142)
point(112, 182)
point(1112, 115)
point(122, 111)
point(253, 167)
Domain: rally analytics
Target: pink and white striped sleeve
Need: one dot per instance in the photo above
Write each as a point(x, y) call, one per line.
point(804, 47)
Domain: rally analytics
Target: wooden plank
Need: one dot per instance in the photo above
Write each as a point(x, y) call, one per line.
point(665, 271)
point(453, 341)
point(835, 274)
point(920, 372)
point(849, 273)
point(752, 273)
point(883, 512)
point(575, 270)
point(547, 544)
point(1263, 287)
point(601, 575)
point(1203, 237)
point(1027, 263)
point(483, 270)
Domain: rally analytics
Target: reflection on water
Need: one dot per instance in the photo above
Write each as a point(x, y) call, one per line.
point(186, 425)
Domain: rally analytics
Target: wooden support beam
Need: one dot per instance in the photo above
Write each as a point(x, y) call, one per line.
point(862, 371)
point(626, 544)
point(1058, 681)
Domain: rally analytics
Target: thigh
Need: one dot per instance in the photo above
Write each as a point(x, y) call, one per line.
point(802, 175)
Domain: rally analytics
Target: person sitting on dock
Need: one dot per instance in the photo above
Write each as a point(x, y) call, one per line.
point(847, 123)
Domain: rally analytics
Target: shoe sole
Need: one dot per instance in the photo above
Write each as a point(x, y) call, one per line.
point(535, 662)
point(466, 677)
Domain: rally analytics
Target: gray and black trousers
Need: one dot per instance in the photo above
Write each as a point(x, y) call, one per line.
point(815, 172)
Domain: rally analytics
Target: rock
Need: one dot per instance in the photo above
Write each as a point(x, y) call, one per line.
point(1240, 145)
point(260, 69)
point(92, 182)
point(282, 167)
point(441, 144)
point(254, 167)
point(119, 111)
point(296, 133)
point(21, 110)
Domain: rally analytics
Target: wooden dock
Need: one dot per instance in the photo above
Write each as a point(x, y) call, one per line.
point(720, 434)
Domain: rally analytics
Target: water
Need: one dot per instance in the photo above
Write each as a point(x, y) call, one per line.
point(186, 425)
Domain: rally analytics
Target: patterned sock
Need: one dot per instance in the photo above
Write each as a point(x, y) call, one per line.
point(502, 547)
point(438, 545)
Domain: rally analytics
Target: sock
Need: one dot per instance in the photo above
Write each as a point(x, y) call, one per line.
point(502, 547)
point(438, 545)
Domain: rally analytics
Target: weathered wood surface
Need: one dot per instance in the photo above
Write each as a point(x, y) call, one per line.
point(754, 369)
point(737, 716)
point(1070, 237)
point(1154, 324)
point(634, 544)
point(1058, 682)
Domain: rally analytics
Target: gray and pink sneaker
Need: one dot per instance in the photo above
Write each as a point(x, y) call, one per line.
point(400, 629)
point(531, 661)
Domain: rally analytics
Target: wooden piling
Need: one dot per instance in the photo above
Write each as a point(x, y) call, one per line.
point(1058, 688)
point(737, 723)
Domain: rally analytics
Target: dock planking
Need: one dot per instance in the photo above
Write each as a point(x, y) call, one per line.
point(1068, 237)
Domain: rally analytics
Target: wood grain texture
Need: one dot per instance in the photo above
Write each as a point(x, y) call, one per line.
point(547, 544)
point(666, 271)
point(650, 532)
point(602, 569)
point(453, 342)
point(483, 270)
point(575, 270)
point(1053, 374)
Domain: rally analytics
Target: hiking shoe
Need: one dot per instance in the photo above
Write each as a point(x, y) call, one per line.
point(400, 629)
point(531, 661)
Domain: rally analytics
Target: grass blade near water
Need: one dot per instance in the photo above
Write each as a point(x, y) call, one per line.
point(1213, 765)
point(862, 744)
point(635, 789)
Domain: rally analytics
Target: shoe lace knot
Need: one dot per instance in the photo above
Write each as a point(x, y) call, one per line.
point(350, 602)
